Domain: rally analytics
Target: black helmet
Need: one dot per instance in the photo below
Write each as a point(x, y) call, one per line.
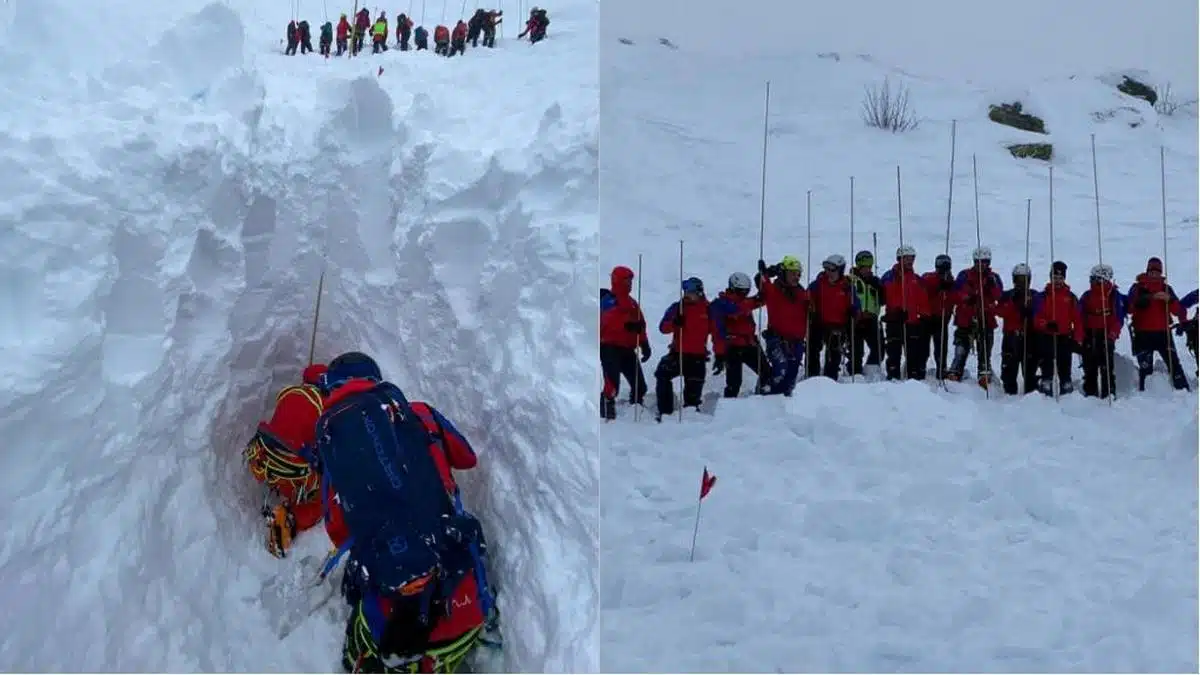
point(351, 365)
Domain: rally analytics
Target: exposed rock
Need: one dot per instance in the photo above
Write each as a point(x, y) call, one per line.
point(1132, 87)
point(1043, 151)
point(1009, 114)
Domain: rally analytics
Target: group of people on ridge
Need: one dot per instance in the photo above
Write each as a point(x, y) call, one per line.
point(347, 449)
point(351, 37)
point(899, 318)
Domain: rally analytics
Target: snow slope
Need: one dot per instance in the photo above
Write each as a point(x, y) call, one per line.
point(892, 526)
point(168, 209)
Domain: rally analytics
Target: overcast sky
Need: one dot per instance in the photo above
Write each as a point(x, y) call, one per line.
point(946, 37)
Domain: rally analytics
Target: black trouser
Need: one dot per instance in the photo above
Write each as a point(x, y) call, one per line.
point(617, 362)
point(457, 47)
point(325, 44)
point(489, 37)
point(305, 45)
point(1098, 376)
point(378, 46)
point(421, 44)
point(966, 339)
point(473, 36)
point(404, 41)
point(442, 48)
point(750, 356)
point(291, 47)
point(1148, 343)
point(341, 46)
point(831, 339)
point(693, 381)
point(1190, 330)
point(938, 329)
point(904, 337)
point(866, 337)
point(1056, 354)
point(1018, 353)
point(358, 41)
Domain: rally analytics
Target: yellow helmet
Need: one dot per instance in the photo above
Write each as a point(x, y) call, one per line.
point(790, 264)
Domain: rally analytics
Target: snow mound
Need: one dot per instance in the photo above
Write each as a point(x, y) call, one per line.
point(160, 285)
point(882, 527)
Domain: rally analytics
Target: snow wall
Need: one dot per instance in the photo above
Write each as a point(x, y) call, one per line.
point(159, 282)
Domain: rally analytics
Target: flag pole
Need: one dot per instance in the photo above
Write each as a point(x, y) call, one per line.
point(696, 530)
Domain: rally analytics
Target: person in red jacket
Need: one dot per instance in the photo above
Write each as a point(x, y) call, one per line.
point(274, 456)
point(458, 38)
point(622, 332)
point(977, 290)
point(1056, 317)
point(734, 334)
point(362, 26)
point(1152, 303)
point(1018, 348)
point(687, 322)
point(1102, 308)
point(404, 26)
point(834, 306)
point(939, 287)
point(373, 633)
point(441, 40)
point(788, 309)
point(907, 307)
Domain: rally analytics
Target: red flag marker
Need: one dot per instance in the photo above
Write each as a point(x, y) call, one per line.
point(707, 481)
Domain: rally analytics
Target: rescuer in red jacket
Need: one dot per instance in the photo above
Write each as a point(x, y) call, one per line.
point(622, 333)
point(687, 322)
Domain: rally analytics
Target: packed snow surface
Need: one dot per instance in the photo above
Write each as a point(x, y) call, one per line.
point(168, 209)
point(893, 526)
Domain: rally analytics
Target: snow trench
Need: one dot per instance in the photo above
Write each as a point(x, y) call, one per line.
point(159, 285)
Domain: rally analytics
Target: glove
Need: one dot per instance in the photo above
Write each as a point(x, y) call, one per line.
point(1051, 326)
point(1181, 328)
point(1026, 311)
point(946, 285)
point(678, 320)
point(635, 326)
point(281, 530)
point(1076, 347)
point(645, 352)
point(900, 315)
point(718, 365)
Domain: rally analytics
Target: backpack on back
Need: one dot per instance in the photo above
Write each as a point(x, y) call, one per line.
point(374, 453)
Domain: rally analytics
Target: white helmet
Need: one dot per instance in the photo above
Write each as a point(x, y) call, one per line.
point(1022, 270)
point(739, 281)
point(1102, 272)
point(905, 251)
point(981, 253)
point(835, 260)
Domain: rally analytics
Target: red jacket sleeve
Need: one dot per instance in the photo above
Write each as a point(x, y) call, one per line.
point(1077, 321)
point(459, 452)
point(335, 526)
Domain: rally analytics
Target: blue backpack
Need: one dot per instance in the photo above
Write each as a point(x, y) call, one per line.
point(373, 453)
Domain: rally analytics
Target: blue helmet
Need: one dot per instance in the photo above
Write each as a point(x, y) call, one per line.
point(350, 366)
point(693, 285)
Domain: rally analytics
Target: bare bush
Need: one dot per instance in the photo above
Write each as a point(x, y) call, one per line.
point(1168, 104)
point(883, 108)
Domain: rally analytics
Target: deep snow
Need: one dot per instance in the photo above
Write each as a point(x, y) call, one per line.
point(168, 207)
point(893, 526)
